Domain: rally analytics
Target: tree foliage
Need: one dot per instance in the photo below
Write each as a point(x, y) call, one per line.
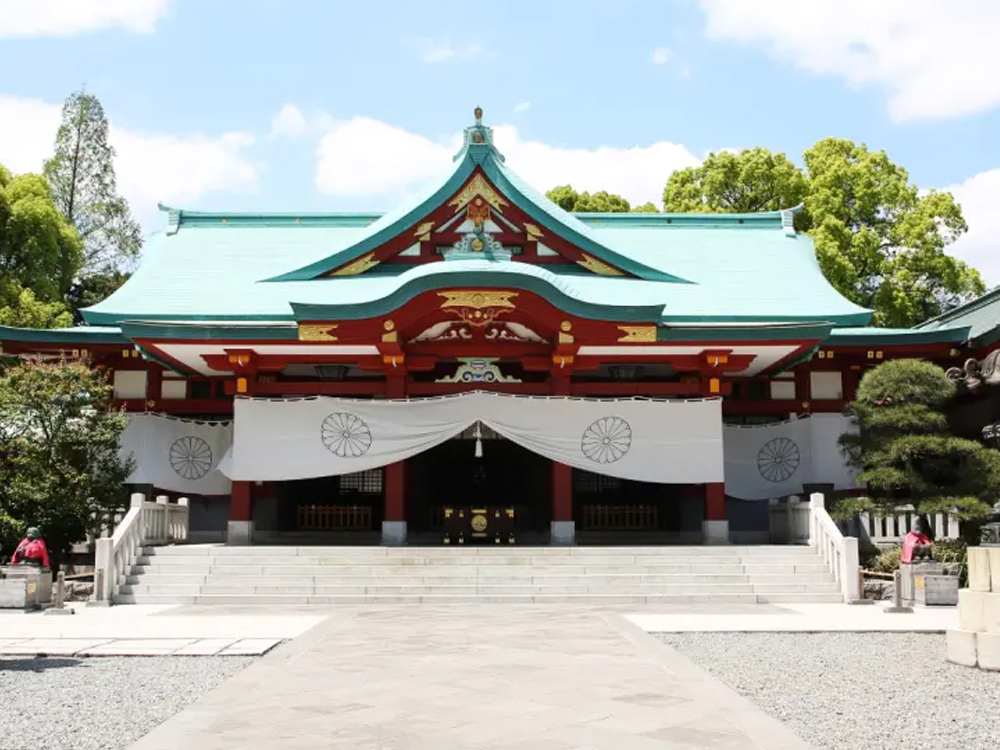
point(59, 451)
point(751, 181)
point(879, 241)
point(40, 254)
point(603, 202)
point(905, 451)
point(82, 176)
point(94, 288)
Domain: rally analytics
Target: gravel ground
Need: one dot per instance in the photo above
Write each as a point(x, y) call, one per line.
point(100, 703)
point(856, 691)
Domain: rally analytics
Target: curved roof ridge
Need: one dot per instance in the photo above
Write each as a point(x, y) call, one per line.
point(473, 274)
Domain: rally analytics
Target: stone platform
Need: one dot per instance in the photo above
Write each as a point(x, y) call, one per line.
point(976, 640)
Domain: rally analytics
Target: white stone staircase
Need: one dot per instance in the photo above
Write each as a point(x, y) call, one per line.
point(214, 574)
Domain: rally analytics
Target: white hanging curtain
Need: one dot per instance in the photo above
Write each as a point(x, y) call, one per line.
point(653, 441)
point(178, 455)
point(773, 460)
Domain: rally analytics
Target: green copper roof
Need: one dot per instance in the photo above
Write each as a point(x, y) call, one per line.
point(220, 268)
point(981, 316)
point(484, 156)
point(209, 331)
point(897, 336)
point(757, 332)
point(562, 291)
point(76, 336)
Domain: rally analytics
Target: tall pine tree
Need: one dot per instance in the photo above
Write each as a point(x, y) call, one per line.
point(82, 176)
point(907, 454)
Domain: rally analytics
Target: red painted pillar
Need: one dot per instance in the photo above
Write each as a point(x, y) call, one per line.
point(562, 530)
point(715, 501)
point(394, 530)
point(395, 493)
point(562, 492)
point(241, 502)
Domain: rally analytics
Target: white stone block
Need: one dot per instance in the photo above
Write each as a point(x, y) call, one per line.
point(393, 533)
point(979, 569)
point(715, 532)
point(994, 555)
point(988, 650)
point(970, 610)
point(240, 533)
point(937, 590)
point(562, 533)
point(961, 647)
point(991, 612)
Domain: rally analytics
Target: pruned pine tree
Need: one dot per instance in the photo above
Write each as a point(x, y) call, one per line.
point(906, 452)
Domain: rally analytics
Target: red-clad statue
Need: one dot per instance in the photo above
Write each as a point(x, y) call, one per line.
point(916, 544)
point(31, 550)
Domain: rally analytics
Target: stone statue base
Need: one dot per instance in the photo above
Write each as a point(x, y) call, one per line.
point(24, 587)
point(976, 640)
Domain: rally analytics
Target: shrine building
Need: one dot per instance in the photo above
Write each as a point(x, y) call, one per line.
point(358, 377)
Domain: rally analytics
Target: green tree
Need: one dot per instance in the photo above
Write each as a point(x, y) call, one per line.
point(646, 208)
point(94, 288)
point(82, 176)
point(905, 451)
point(879, 242)
point(40, 254)
point(59, 450)
point(20, 308)
point(569, 199)
point(751, 181)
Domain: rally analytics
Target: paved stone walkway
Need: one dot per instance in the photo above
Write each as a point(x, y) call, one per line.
point(489, 678)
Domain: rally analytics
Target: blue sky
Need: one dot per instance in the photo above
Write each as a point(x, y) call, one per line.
point(312, 105)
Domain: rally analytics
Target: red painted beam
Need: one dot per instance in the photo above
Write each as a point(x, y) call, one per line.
point(779, 408)
point(640, 389)
point(215, 406)
point(317, 388)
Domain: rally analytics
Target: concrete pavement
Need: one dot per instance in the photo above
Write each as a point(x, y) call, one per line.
point(484, 677)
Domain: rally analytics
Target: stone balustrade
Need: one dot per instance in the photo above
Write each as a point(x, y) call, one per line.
point(976, 640)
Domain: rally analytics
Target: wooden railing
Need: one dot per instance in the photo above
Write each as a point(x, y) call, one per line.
point(334, 518)
point(620, 517)
point(145, 523)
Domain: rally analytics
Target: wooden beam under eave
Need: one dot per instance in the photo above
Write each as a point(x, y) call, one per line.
point(214, 406)
point(640, 388)
point(780, 408)
point(315, 388)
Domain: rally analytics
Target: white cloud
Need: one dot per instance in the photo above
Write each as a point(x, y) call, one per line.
point(661, 56)
point(151, 167)
point(437, 51)
point(289, 122)
point(933, 58)
point(522, 106)
point(363, 156)
point(34, 18)
point(980, 246)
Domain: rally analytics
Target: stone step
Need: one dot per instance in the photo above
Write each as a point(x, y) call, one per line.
point(148, 566)
point(264, 588)
point(477, 551)
point(447, 599)
point(529, 577)
point(523, 562)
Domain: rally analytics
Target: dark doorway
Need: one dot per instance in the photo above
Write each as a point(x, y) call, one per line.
point(338, 504)
point(506, 475)
point(605, 504)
